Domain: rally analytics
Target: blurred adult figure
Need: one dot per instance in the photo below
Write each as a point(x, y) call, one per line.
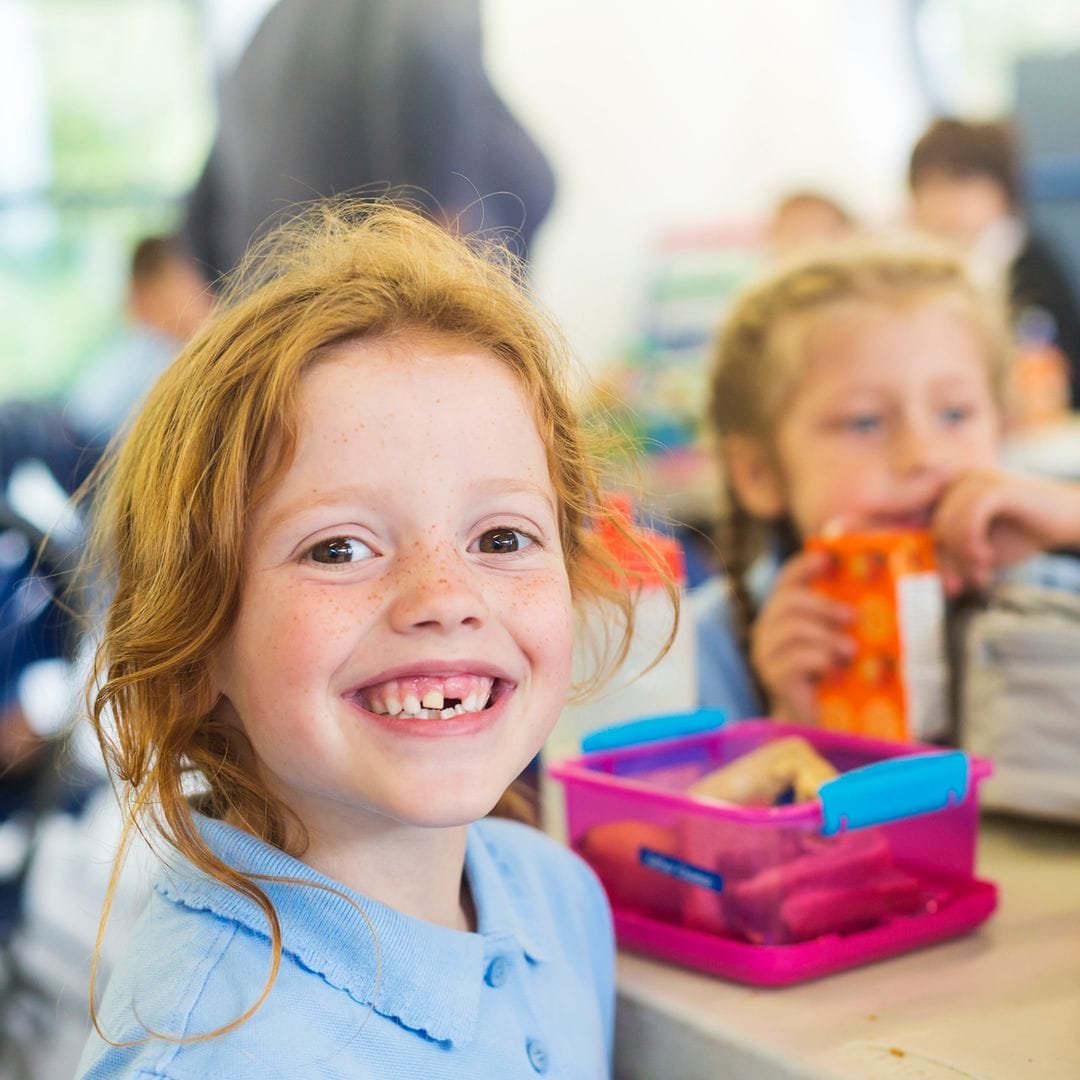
point(370, 95)
point(964, 178)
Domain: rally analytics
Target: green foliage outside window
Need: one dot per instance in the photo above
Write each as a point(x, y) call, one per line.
point(124, 94)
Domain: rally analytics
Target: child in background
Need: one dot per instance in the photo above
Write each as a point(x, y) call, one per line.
point(803, 220)
point(346, 533)
point(167, 302)
point(860, 389)
point(965, 183)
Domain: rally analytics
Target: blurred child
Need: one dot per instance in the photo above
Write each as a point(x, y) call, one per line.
point(965, 187)
point(347, 532)
point(861, 389)
point(167, 302)
point(803, 220)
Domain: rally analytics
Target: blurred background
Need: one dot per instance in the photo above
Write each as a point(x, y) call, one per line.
point(672, 129)
point(657, 155)
point(666, 122)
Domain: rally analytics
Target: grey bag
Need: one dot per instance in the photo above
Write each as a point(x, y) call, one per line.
point(1019, 698)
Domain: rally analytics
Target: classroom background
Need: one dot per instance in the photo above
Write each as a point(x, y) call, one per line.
point(674, 132)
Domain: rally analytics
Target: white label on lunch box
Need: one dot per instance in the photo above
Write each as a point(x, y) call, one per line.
point(921, 617)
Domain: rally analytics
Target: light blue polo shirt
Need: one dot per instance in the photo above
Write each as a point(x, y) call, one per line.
point(531, 993)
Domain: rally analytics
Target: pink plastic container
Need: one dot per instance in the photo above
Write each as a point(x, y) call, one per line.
point(882, 863)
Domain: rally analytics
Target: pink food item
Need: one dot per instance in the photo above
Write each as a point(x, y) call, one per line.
point(844, 860)
point(732, 850)
point(847, 861)
point(836, 909)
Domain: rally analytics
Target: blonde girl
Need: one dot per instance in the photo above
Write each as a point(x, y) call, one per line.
point(344, 540)
point(861, 389)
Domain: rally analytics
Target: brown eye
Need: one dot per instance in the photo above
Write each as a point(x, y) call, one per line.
point(339, 549)
point(503, 541)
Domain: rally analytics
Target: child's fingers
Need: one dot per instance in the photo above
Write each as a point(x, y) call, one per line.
point(961, 524)
point(987, 520)
point(807, 661)
point(802, 569)
point(802, 605)
point(776, 649)
point(794, 691)
point(798, 707)
point(959, 574)
point(790, 675)
point(803, 632)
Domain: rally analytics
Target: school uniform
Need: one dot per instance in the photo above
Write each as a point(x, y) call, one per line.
point(530, 993)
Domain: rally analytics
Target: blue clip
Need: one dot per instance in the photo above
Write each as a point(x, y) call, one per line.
point(652, 729)
point(895, 788)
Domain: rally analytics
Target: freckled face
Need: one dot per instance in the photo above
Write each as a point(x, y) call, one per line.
point(403, 642)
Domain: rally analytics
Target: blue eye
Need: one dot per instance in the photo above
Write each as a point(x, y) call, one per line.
point(503, 542)
point(339, 549)
point(955, 414)
point(863, 423)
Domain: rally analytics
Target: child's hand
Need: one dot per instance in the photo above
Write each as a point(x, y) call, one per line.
point(986, 520)
point(798, 638)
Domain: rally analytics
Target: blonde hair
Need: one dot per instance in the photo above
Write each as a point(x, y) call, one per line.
point(216, 434)
point(758, 356)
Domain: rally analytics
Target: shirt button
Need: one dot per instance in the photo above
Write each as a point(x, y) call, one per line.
point(538, 1057)
point(497, 971)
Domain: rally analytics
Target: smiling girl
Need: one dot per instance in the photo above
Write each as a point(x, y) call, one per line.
point(859, 390)
point(345, 538)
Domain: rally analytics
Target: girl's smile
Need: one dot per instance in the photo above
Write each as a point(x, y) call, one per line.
point(469, 694)
point(403, 642)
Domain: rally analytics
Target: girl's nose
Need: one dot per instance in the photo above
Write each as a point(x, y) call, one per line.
point(437, 590)
point(918, 449)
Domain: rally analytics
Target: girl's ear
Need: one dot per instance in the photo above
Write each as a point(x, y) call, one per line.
point(754, 477)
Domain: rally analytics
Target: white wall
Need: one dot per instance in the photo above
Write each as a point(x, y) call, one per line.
point(657, 113)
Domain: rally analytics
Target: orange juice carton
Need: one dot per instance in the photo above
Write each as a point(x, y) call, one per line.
point(896, 685)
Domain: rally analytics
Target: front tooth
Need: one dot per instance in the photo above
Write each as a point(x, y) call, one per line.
point(410, 703)
point(471, 703)
point(433, 699)
point(447, 713)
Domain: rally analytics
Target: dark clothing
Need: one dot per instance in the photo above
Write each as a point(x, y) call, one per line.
point(364, 94)
point(1038, 284)
point(36, 561)
point(42, 431)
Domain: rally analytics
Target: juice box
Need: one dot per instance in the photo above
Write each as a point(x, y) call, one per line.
point(896, 685)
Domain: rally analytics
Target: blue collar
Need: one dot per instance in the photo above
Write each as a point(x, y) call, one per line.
point(431, 977)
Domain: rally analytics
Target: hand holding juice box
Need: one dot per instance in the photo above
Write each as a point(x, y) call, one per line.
point(895, 686)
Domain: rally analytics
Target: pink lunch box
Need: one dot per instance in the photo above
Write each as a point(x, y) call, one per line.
point(882, 863)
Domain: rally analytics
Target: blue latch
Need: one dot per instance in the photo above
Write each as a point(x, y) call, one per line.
point(896, 788)
point(652, 729)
